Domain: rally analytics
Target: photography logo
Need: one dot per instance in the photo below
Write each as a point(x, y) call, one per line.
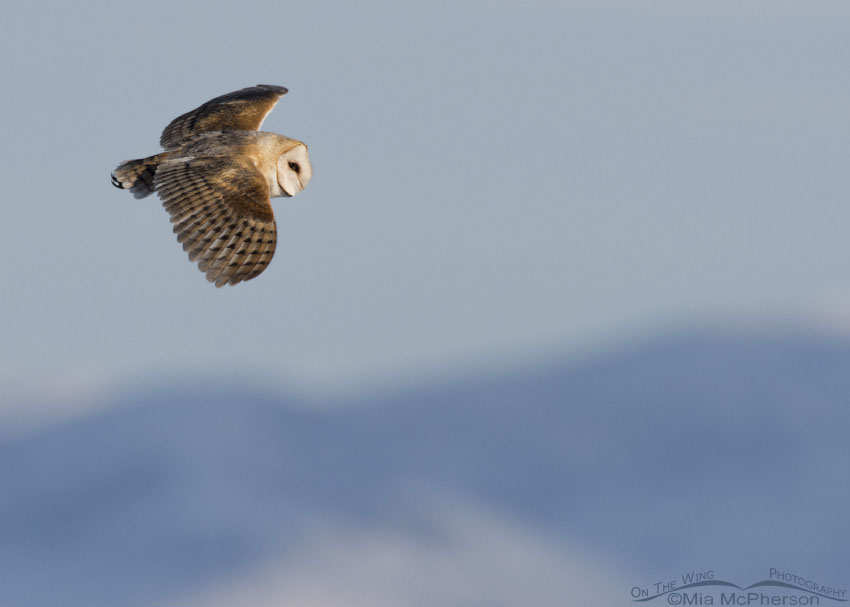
point(704, 588)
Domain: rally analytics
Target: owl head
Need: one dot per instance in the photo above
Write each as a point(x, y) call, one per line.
point(294, 170)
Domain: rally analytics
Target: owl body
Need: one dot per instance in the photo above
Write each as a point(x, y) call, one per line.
point(262, 150)
point(216, 179)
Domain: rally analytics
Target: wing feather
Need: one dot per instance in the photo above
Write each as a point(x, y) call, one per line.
point(242, 110)
point(250, 251)
point(221, 214)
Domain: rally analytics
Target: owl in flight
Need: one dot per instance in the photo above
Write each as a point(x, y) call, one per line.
point(216, 177)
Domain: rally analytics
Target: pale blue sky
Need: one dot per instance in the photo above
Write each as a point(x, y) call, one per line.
point(491, 180)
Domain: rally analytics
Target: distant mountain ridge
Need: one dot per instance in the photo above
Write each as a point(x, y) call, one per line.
point(725, 449)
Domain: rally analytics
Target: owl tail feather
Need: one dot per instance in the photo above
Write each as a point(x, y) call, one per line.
point(137, 175)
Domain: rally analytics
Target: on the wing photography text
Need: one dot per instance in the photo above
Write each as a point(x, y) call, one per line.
point(705, 588)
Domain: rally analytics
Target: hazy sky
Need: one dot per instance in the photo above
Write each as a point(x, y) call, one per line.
point(490, 179)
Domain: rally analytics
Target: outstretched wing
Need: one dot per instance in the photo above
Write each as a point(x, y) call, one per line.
point(221, 213)
point(238, 111)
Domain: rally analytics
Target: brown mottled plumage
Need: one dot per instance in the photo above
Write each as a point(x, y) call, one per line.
point(216, 179)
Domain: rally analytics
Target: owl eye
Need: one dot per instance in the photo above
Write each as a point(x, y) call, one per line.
point(295, 167)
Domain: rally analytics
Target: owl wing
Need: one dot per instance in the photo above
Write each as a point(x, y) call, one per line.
point(238, 111)
point(221, 213)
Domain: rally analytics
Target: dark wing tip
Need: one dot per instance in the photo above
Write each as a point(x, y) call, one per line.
point(273, 87)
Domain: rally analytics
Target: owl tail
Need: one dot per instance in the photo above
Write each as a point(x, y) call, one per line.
point(137, 175)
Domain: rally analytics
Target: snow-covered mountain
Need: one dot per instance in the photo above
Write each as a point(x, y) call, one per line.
point(718, 451)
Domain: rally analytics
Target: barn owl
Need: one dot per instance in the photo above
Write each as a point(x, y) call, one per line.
point(216, 177)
